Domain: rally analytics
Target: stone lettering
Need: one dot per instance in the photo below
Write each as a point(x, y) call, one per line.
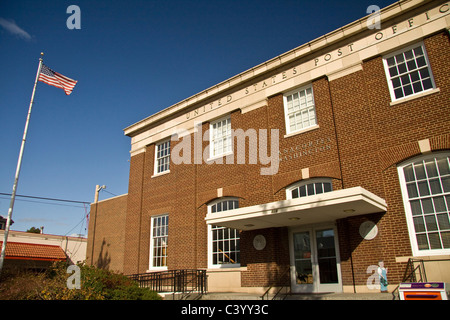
point(318, 60)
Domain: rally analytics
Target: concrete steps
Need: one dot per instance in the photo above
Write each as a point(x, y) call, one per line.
point(252, 296)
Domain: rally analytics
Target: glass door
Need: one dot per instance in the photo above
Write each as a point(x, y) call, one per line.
point(302, 270)
point(326, 261)
point(315, 263)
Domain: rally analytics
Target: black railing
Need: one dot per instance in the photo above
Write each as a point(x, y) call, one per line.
point(281, 286)
point(174, 281)
point(414, 272)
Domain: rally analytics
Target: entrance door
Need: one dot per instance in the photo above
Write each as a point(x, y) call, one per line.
point(315, 265)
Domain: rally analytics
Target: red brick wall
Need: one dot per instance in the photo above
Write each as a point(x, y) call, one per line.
point(106, 246)
point(269, 266)
point(133, 216)
point(366, 139)
point(374, 137)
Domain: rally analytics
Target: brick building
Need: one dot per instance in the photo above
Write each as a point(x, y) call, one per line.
point(314, 165)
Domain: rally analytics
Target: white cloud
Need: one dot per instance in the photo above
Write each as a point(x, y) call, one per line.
point(13, 28)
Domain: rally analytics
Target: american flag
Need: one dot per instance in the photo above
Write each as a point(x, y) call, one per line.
point(56, 79)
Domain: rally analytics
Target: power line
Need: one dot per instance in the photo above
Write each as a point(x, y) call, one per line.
point(59, 204)
point(43, 198)
point(82, 221)
point(109, 192)
point(47, 203)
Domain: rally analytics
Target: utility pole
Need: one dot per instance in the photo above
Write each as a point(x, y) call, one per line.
point(97, 190)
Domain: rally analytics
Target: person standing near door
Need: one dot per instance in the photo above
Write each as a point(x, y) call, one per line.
point(382, 274)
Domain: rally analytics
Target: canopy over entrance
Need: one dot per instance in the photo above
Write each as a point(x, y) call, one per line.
point(319, 208)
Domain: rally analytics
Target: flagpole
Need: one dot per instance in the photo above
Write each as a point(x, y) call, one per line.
point(19, 163)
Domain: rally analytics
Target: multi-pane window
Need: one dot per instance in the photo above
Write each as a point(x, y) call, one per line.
point(224, 205)
point(309, 188)
point(426, 192)
point(408, 72)
point(299, 109)
point(224, 242)
point(162, 160)
point(220, 137)
point(159, 238)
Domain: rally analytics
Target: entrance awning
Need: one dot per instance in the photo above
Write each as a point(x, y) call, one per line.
point(319, 208)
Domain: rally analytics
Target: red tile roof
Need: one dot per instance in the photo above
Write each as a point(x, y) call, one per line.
point(31, 251)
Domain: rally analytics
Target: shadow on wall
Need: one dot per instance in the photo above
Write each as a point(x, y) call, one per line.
point(104, 259)
point(350, 238)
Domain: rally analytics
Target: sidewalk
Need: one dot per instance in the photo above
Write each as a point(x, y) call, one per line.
point(341, 296)
point(311, 296)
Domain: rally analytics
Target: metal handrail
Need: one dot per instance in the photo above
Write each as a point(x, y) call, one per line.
point(197, 284)
point(176, 281)
point(410, 273)
point(276, 282)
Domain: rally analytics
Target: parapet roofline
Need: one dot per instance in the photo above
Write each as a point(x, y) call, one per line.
point(387, 13)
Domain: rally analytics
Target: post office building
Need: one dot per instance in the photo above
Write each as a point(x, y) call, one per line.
point(304, 171)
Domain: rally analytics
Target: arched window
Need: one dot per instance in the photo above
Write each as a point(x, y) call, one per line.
point(223, 243)
point(224, 205)
point(425, 185)
point(309, 187)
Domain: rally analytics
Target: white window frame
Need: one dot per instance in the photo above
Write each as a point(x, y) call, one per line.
point(389, 78)
point(165, 143)
point(211, 265)
point(305, 183)
point(408, 208)
point(309, 109)
point(216, 138)
point(164, 236)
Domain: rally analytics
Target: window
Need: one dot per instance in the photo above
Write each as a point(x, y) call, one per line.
point(158, 244)
point(309, 188)
point(223, 248)
point(220, 137)
point(408, 72)
point(426, 194)
point(162, 157)
point(224, 205)
point(299, 109)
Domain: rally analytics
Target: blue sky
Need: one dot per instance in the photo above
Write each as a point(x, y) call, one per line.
point(131, 59)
